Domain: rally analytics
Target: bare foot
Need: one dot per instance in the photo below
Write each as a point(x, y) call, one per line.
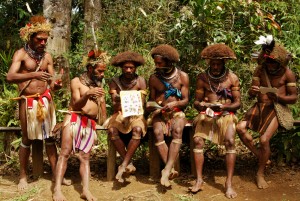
point(119, 175)
point(130, 168)
point(22, 185)
point(198, 186)
point(173, 174)
point(164, 180)
point(87, 195)
point(261, 182)
point(58, 196)
point(66, 182)
point(230, 193)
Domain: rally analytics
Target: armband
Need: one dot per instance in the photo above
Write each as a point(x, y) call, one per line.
point(291, 84)
point(199, 91)
point(235, 88)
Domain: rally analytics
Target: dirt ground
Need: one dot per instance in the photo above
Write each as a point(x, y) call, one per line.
point(284, 183)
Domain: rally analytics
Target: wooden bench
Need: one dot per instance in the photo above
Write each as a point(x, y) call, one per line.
point(154, 158)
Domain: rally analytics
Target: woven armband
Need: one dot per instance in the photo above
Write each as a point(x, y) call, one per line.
point(291, 84)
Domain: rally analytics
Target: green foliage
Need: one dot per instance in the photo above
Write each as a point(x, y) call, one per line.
point(7, 106)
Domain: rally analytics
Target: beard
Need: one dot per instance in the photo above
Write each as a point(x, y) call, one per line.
point(97, 80)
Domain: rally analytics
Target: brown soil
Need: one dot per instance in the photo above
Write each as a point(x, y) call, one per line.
point(284, 182)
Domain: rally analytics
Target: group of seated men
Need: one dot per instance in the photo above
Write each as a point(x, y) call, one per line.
point(217, 98)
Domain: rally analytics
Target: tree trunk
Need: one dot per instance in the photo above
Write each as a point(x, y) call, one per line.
point(59, 14)
point(92, 17)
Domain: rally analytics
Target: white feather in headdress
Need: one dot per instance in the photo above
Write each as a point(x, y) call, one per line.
point(264, 40)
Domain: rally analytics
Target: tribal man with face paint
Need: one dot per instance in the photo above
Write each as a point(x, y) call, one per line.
point(169, 90)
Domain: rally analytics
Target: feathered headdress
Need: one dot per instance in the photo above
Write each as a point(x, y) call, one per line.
point(94, 57)
point(272, 50)
point(36, 24)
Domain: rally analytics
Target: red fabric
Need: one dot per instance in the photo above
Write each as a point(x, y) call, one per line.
point(46, 94)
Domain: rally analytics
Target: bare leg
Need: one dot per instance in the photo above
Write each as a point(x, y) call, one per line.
point(173, 150)
point(132, 146)
point(24, 151)
point(247, 138)
point(85, 176)
point(265, 153)
point(230, 160)
point(199, 161)
point(61, 166)
point(160, 143)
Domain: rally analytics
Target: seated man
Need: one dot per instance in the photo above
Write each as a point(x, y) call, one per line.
point(79, 126)
point(272, 83)
point(217, 98)
point(136, 124)
point(169, 89)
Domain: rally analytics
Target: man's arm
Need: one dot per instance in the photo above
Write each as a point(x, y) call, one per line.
point(290, 97)
point(199, 95)
point(78, 100)
point(236, 95)
point(152, 95)
point(115, 97)
point(54, 84)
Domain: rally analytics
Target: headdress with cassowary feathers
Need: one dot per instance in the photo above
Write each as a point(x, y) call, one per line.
point(94, 57)
point(272, 50)
point(217, 51)
point(36, 24)
point(128, 56)
point(166, 51)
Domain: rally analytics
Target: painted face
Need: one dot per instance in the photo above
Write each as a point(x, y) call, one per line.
point(38, 42)
point(98, 72)
point(162, 66)
point(217, 67)
point(272, 66)
point(128, 69)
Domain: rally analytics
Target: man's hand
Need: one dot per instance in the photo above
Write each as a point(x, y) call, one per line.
point(97, 91)
point(272, 96)
point(254, 90)
point(169, 106)
point(41, 75)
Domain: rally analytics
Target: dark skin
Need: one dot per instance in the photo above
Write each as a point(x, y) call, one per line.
point(21, 71)
point(279, 76)
point(128, 71)
point(80, 102)
point(204, 97)
point(157, 90)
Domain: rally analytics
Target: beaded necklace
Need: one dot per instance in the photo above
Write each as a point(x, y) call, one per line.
point(213, 81)
point(36, 56)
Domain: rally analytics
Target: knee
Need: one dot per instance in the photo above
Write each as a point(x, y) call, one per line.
point(229, 143)
point(26, 143)
point(65, 153)
point(177, 132)
point(84, 157)
point(158, 133)
point(113, 133)
point(264, 141)
point(240, 129)
point(199, 142)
